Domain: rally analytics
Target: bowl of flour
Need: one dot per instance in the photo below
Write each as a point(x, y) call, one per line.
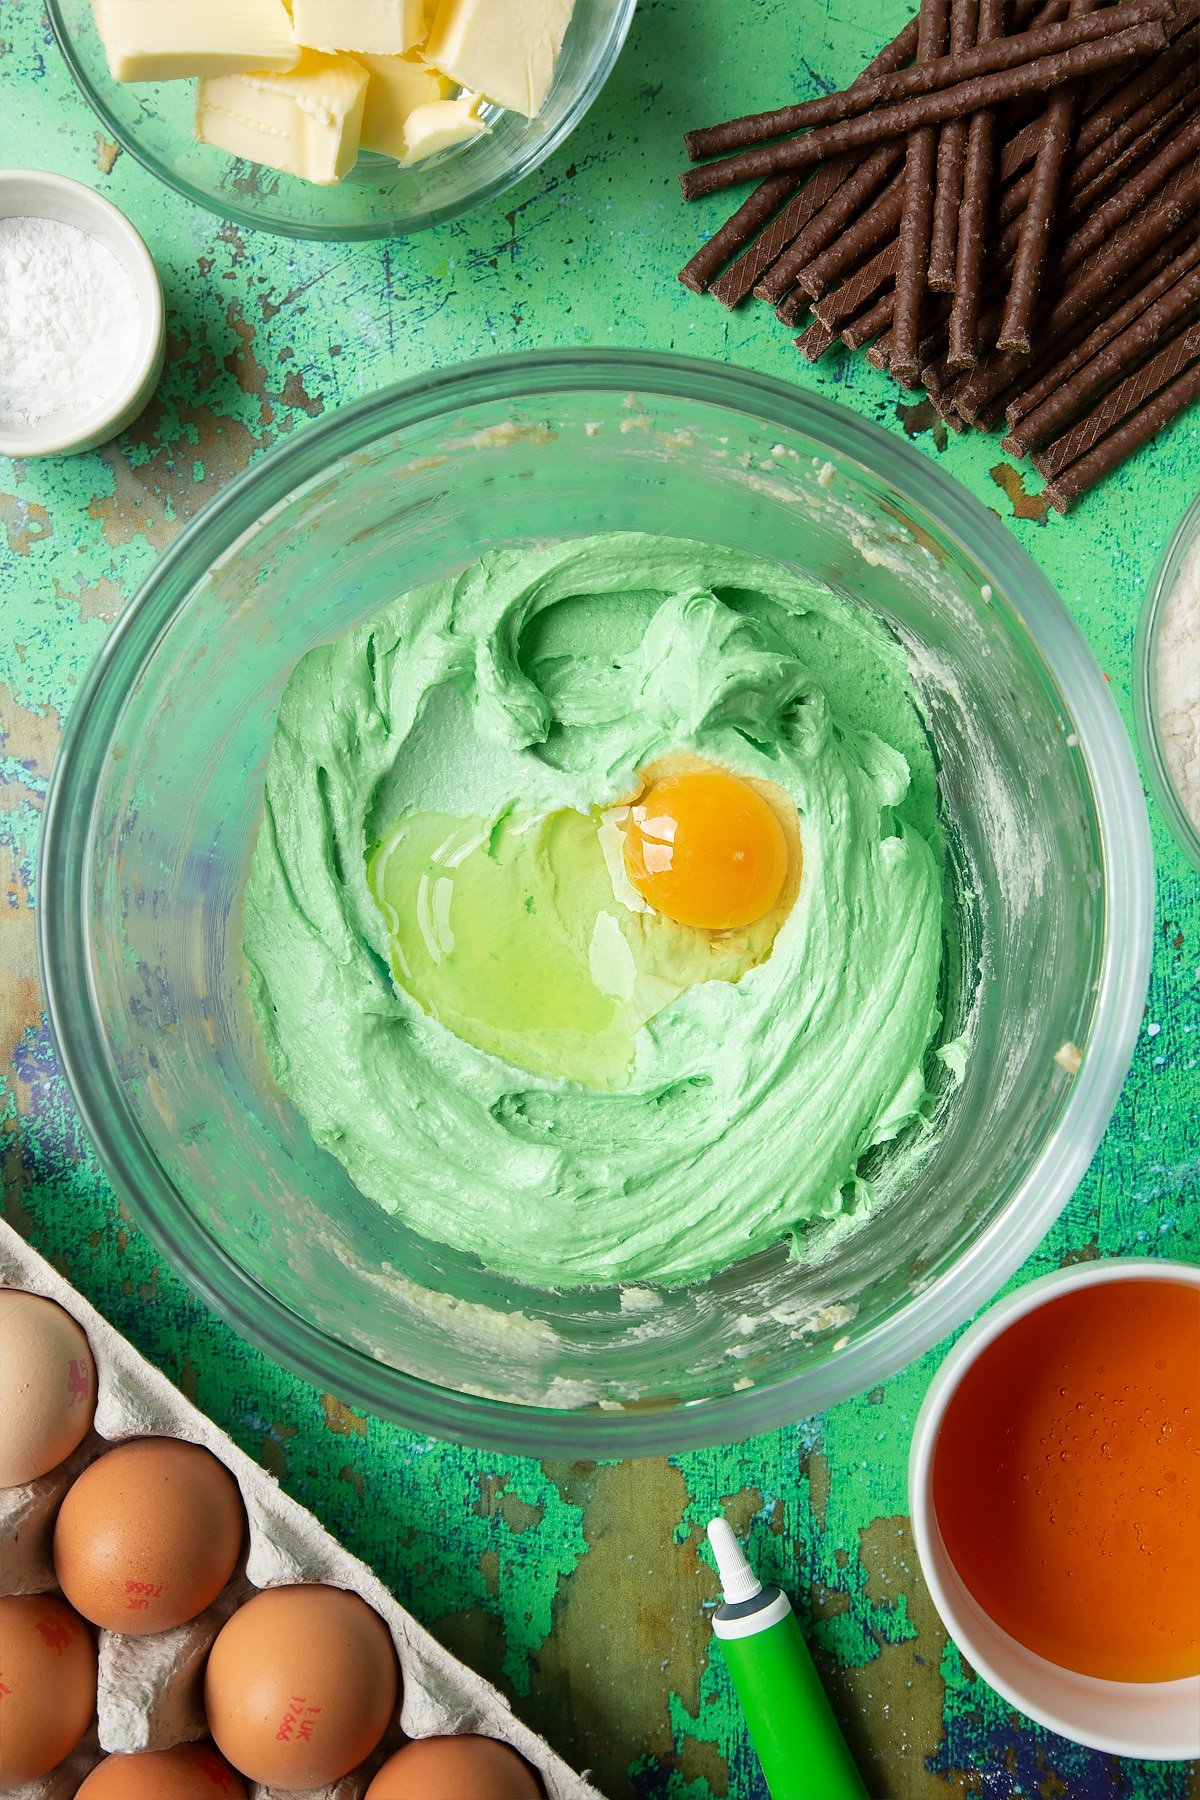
point(1167, 683)
point(81, 317)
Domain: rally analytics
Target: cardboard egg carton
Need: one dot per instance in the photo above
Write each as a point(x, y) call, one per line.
point(151, 1688)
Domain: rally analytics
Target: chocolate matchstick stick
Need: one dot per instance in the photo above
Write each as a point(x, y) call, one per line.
point(860, 288)
point(1129, 396)
point(990, 411)
point(842, 209)
point(741, 225)
point(1134, 194)
point(1030, 257)
point(1120, 355)
point(906, 116)
point(978, 164)
point(1139, 291)
point(932, 347)
point(936, 378)
point(880, 269)
point(760, 252)
point(873, 229)
point(814, 342)
point(754, 213)
point(1113, 96)
point(880, 353)
point(1135, 429)
point(1128, 119)
point(916, 217)
point(792, 307)
point(1141, 132)
point(943, 406)
point(1086, 224)
point(1109, 100)
point(807, 201)
point(866, 326)
point(935, 72)
point(947, 180)
point(1087, 285)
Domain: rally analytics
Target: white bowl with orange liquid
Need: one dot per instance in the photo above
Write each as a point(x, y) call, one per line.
point(1054, 1485)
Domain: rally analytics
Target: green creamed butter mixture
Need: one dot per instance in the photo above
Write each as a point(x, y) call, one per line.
point(457, 994)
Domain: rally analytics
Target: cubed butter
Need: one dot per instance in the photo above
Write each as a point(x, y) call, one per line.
point(442, 123)
point(505, 49)
point(160, 40)
point(383, 27)
point(307, 122)
point(395, 88)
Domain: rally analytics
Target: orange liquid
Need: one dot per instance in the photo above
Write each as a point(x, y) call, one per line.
point(1066, 1480)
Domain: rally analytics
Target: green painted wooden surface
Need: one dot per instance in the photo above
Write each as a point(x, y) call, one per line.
point(579, 1588)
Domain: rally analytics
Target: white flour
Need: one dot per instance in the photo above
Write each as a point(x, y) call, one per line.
point(1177, 679)
point(69, 321)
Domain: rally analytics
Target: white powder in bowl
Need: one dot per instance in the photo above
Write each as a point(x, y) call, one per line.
point(69, 321)
point(1177, 681)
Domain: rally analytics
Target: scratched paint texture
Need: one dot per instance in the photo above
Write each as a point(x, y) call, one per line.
point(580, 1588)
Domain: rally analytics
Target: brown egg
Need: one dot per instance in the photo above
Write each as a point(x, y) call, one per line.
point(47, 1386)
point(301, 1685)
point(455, 1768)
point(148, 1535)
point(189, 1772)
point(47, 1684)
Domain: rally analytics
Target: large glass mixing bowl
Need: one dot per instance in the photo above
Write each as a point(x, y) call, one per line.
point(156, 801)
point(153, 120)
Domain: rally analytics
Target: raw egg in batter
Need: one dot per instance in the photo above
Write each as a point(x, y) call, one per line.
point(550, 941)
point(706, 849)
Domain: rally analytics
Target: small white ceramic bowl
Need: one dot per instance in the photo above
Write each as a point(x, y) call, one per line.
point(31, 193)
point(1146, 678)
point(1152, 1719)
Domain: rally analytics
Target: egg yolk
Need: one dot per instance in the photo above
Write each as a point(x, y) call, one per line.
point(704, 848)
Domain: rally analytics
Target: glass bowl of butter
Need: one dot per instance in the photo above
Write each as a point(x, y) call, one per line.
point(160, 793)
point(340, 119)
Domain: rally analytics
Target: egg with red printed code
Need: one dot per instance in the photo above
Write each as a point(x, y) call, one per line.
point(186, 1772)
point(47, 1684)
point(455, 1768)
point(301, 1684)
point(47, 1386)
point(149, 1535)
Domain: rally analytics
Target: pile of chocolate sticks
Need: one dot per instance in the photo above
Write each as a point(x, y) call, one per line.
point(1004, 207)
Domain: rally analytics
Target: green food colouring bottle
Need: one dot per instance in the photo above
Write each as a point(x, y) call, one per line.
point(792, 1727)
